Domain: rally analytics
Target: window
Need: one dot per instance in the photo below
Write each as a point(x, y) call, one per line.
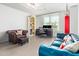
point(46, 20)
point(55, 21)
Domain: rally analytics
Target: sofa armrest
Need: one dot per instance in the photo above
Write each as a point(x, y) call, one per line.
point(46, 50)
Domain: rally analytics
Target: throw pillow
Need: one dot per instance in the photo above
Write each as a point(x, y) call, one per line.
point(62, 45)
point(19, 32)
point(74, 47)
point(67, 40)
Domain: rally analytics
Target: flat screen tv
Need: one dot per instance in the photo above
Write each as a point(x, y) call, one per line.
point(47, 26)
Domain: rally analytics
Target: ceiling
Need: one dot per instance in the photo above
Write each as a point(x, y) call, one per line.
point(42, 8)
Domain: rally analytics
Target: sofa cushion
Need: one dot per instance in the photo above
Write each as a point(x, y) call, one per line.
point(58, 39)
point(56, 43)
point(76, 36)
point(61, 35)
point(74, 47)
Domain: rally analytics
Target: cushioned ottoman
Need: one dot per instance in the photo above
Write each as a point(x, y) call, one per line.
point(22, 40)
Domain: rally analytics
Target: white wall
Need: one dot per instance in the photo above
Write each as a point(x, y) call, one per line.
point(61, 22)
point(11, 19)
point(39, 21)
point(74, 19)
point(78, 19)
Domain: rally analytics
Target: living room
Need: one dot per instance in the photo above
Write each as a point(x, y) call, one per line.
point(28, 28)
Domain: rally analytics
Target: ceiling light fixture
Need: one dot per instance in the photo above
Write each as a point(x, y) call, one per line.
point(33, 5)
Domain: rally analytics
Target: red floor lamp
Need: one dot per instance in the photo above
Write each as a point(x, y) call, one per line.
point(67, 21)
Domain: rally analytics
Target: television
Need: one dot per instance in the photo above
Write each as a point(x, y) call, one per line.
point(47, 26)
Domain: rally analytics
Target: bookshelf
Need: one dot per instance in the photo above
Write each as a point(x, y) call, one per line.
point(32, 25)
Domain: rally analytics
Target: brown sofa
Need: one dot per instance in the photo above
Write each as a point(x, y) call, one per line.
point(13, 38)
